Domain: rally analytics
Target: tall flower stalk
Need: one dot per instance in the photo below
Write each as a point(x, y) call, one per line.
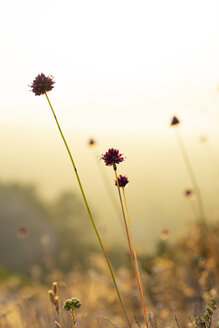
point(174, 123)
point(111, 158)
point(209, 247)
point(131, 236)
point(131, 245)
point(41, 85)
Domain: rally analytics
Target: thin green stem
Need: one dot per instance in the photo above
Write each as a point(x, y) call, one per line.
point(90, 214)
point(192, 177)
point(193, 208)
point(130, 249)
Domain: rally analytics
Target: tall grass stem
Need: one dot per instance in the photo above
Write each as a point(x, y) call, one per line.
point(134, 250)
point(192, 177)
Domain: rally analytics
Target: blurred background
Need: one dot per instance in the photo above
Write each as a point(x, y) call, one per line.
point(122, 70)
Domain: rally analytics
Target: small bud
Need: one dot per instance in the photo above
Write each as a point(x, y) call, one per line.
point(164, 234)
point(57, 304)
point(174, 121)
point(57, 324)
point(92, 142)
point(52, 296)
point(22, 232)
point(55, 288)
point(188, 193)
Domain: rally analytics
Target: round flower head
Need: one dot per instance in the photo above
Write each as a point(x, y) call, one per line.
point(42, 84)
point(22, 232)
point(175, 121)
point(92, 142)
point(72, 304)
point(188, 192)
point(123, 180)
point(164, 234)
point(112, 157)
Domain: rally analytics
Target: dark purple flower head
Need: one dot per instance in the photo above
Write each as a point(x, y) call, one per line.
point(42, 84)
point(112, 157)
point(92, 142)
point(123, 180)
point(188, 192)
point(174, 121)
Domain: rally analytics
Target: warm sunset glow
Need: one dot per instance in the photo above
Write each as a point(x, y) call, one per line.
point(122, 69)
point(137, 62)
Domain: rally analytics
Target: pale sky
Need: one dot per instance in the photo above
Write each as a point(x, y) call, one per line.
point(118, 65)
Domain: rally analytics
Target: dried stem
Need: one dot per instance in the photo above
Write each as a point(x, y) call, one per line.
point(130, 250)
point(131, 237)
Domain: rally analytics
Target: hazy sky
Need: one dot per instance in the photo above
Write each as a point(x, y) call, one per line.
point(122, 69)
point(118, 65)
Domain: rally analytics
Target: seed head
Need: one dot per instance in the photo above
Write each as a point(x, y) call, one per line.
point(55, 287)
point(174, 121)
point(112, 157)
point(52, 296)
point(22, 232)
point(123, 180)
point(164, 234)
point(92, 142)
point(72, 304)
point(42, 84)
point(57, 303)
point(188, 192)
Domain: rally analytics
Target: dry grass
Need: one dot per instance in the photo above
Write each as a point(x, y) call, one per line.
point(177, 280)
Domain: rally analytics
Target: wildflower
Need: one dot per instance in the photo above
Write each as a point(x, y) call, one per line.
point(174, 121)
point(188, 192)
point(72, 304)
point(123, 180)
point(164, 234)
point(112, 157)
point(42, 84)
point(91, 142)
point(22, 232)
